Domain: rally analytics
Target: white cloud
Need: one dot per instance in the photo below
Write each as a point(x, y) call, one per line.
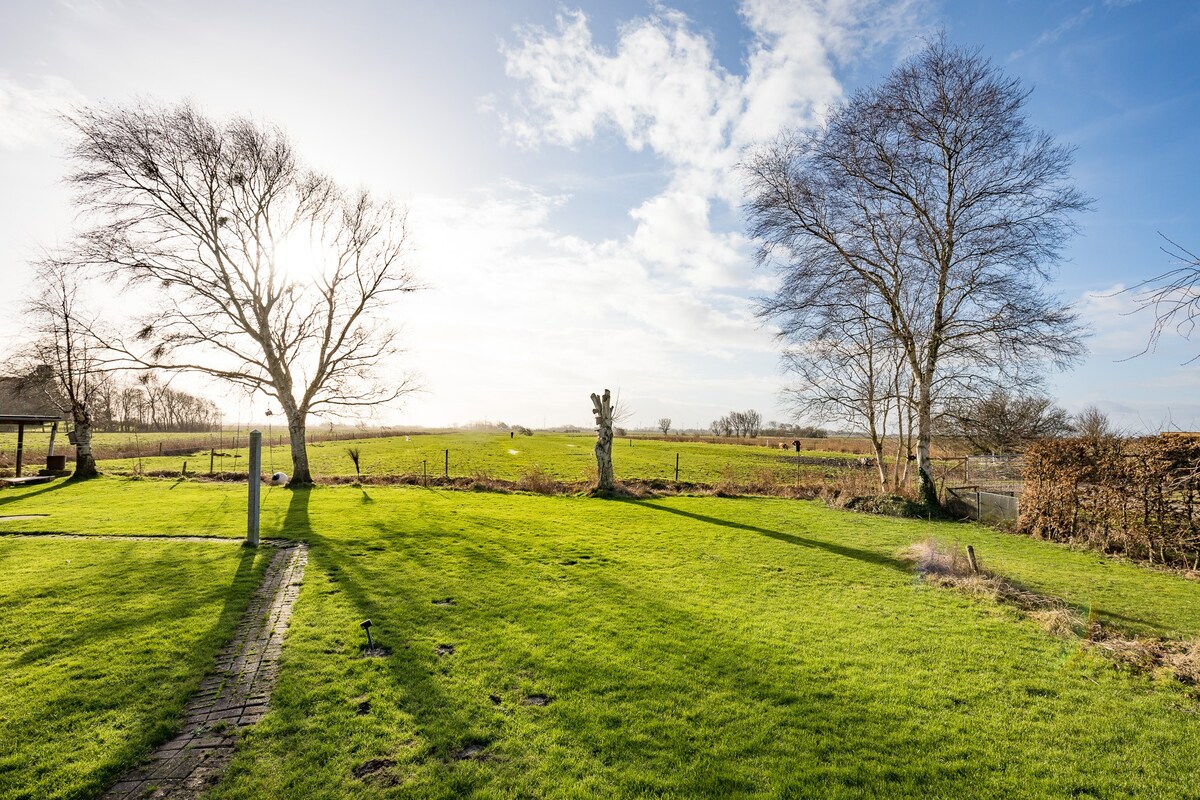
point(29, 114)
point(667, 306)
point(661, 88)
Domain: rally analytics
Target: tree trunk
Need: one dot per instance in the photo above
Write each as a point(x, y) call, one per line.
point(301, 475)
point(877, 432)
point(85, 462)
point(602, 408)
point(926, 484)
point(880, 467)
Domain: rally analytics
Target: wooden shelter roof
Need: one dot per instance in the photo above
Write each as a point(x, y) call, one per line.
point(28, 400)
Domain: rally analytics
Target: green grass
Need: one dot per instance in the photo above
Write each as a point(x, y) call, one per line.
point(691, 647)
point(101, 643)
point(564, 456)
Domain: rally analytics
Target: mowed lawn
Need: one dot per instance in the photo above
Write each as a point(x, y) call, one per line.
point(101, 643)
point(565, 457)
point(683, 647)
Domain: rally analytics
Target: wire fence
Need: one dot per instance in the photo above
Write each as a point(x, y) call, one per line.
point(998, 474)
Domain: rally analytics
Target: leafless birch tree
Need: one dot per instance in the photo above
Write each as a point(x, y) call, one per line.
point(856, 375)
point(932, 195)
point(65, 349)
point(268, 274)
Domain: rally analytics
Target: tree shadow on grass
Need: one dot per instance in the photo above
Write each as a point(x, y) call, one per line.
point(445, 723)
point(119, 627)
point(16, 498)
point(865, 556)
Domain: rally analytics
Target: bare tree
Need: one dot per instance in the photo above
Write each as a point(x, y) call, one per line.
point(855, 375)
point(664, 424)
point(65, 350)
point(751, 422)
point(1093, 424)
point(1174, 296)
point(932, 195)
point(1004, 422)
point(270, 275)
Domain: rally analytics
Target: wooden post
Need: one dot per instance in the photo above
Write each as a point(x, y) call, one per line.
point(677, 467)
point(252, 508)
point(53, 433)
point(160, 448)
point(425, 472)
point(212, 456)
point(183, 471)
point(20, 445)
point(447, 464)
point(971, 560)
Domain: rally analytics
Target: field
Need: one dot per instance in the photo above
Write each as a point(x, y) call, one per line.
point(672, 647)
point(564, 457)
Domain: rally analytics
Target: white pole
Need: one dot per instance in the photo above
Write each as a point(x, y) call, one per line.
point(252, 508)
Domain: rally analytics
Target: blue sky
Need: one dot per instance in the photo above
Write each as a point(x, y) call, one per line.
point(569, 168)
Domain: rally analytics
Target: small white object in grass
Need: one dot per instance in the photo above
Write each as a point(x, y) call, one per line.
point(278, 478)
point(513, 452)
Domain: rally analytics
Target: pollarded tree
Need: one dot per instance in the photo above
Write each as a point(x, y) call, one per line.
point(932, 195)
point(664, 424)
point(270, 276)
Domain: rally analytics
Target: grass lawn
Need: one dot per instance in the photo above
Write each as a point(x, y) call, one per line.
point(101, 643)
point(566, 457)
point(687, 647)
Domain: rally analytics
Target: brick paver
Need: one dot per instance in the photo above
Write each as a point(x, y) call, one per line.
point(233, 695)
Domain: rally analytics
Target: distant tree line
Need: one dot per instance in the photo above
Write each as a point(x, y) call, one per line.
point(146, 404)
point(738, 423)
point(795, 430)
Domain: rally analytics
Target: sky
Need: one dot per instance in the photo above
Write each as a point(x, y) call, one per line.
point(570, 171)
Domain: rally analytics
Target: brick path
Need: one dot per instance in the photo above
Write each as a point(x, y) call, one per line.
point(233, 695)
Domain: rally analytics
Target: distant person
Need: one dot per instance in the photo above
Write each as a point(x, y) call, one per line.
point(511, 434)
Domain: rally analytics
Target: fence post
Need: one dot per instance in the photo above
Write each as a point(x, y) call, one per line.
point(252, 509)
point(447, 464)
point(425, 472)
point(212, 455)
point(677, 467)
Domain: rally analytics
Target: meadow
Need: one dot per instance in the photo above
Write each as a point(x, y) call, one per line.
point(565, 646)
point(563, 457)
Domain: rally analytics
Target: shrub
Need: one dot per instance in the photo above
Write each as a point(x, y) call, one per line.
point(1136, 497)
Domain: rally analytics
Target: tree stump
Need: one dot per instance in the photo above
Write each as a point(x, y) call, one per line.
point(602, 408)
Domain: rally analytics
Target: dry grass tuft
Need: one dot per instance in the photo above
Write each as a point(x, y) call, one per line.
point(537, 480)
point(949, 566)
